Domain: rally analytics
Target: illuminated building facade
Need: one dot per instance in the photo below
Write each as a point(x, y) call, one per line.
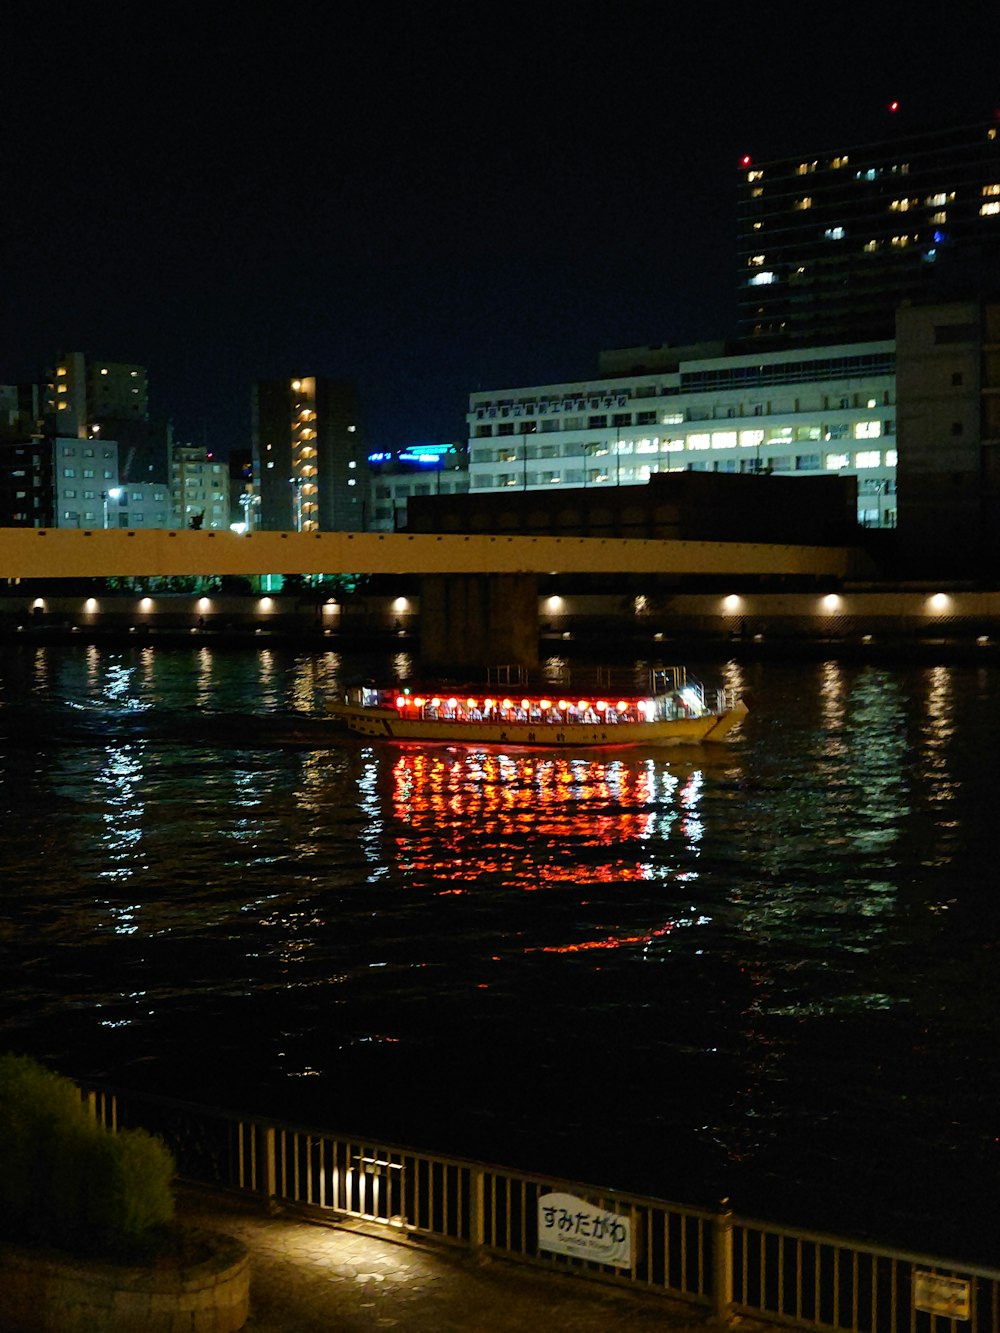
point(437, 469)
point(800, 413)
point(309, 461)
point(93, 399)
point(199, 488)
point(831, 243)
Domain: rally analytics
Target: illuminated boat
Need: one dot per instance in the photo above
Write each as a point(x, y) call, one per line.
point(672, 711)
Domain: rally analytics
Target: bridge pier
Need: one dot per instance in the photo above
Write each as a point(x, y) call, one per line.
point(478, 620)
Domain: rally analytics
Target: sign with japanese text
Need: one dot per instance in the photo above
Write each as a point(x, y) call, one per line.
point(568, 1225)
point(941, 1295)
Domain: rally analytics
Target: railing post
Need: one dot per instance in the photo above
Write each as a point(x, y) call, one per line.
point(722, 1265)
point(269, 1173)
point(477, 1209)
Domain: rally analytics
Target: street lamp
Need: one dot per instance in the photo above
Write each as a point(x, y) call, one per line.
point(112, 493)
point(248, 503)
point(296, 484)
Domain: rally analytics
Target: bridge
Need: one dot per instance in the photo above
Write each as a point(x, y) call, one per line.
point(478, 593)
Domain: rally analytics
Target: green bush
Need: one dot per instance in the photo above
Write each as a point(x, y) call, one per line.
point(66, 1180)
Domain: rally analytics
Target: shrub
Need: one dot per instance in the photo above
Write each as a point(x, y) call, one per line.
point(69, 1182)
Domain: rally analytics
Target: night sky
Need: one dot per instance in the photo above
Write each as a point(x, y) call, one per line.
point(428, 198)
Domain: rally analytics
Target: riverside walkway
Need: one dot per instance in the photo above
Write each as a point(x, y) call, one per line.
point(308, 1278)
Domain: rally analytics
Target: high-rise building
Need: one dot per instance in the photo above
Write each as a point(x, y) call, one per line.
point(428, 469)
point(797, 412)
point(310, 463)
point(90, 398)
point(199, 488)
point(831, 243)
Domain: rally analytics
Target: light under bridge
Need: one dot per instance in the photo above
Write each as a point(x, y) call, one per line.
point(478, 591)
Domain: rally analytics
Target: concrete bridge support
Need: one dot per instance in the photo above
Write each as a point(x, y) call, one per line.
point(478, 620)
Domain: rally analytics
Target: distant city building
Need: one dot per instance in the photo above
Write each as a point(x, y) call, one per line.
point(436, 469)
point(830, 243)
point(20, 411)
point(199, 488)
point(85, 482)
point(801, 413)
point(948, 376)
point(309, 459)
point(26, 491)
point(86, 398)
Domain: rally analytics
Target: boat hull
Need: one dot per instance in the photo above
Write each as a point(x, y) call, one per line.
point(386, 724)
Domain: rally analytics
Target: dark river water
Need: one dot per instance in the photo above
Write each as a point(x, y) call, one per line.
point(766, 969)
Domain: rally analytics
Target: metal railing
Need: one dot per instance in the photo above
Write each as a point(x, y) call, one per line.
point(728, 1265)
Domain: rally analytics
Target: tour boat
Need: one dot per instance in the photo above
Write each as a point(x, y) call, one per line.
point(674, 710)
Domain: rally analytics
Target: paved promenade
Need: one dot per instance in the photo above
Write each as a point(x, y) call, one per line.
point(307, 1278)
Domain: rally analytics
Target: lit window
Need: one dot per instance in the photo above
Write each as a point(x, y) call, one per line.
point(757, 226)
point(839, 162)
point(991, 191)
point(939, 217)
point(990, 210)
point(869, 458)
point(804, 202)
point(750, 439)
point(867, 430)
point(755, 261)
point(757, 191)
point(673, 418)
point(900, 242)
point(724, 439)
point(699, 442)
point(835, 233)
point(755, 175)
point(104, 370)
point(890, 458)
point(870, 247)
point(835, 461)
point(762, 278)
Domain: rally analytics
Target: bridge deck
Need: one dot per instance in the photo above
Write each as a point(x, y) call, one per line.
point(68, 553)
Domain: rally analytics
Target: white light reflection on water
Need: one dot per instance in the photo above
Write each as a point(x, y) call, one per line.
point(203, 694)
point(315, 679)
point(120, 779)
point(370, 805)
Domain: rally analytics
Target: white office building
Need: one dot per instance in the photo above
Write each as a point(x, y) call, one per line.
point(801, 411)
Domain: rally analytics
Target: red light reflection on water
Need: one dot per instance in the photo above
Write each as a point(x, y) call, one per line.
point(609, 942)
point(532, 821)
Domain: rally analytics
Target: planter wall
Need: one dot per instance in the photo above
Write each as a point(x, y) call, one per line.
point(49, 1294)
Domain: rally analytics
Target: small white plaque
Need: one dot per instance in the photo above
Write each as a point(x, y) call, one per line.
point(568, 1225)
point(948, 1296)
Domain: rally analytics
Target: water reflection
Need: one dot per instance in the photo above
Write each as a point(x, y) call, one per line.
point(535, 820)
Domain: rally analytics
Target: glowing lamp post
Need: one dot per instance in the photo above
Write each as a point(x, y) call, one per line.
point(112, 493)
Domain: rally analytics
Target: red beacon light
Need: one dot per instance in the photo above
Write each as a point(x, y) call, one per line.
point(893, 106)
point(746, 160)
